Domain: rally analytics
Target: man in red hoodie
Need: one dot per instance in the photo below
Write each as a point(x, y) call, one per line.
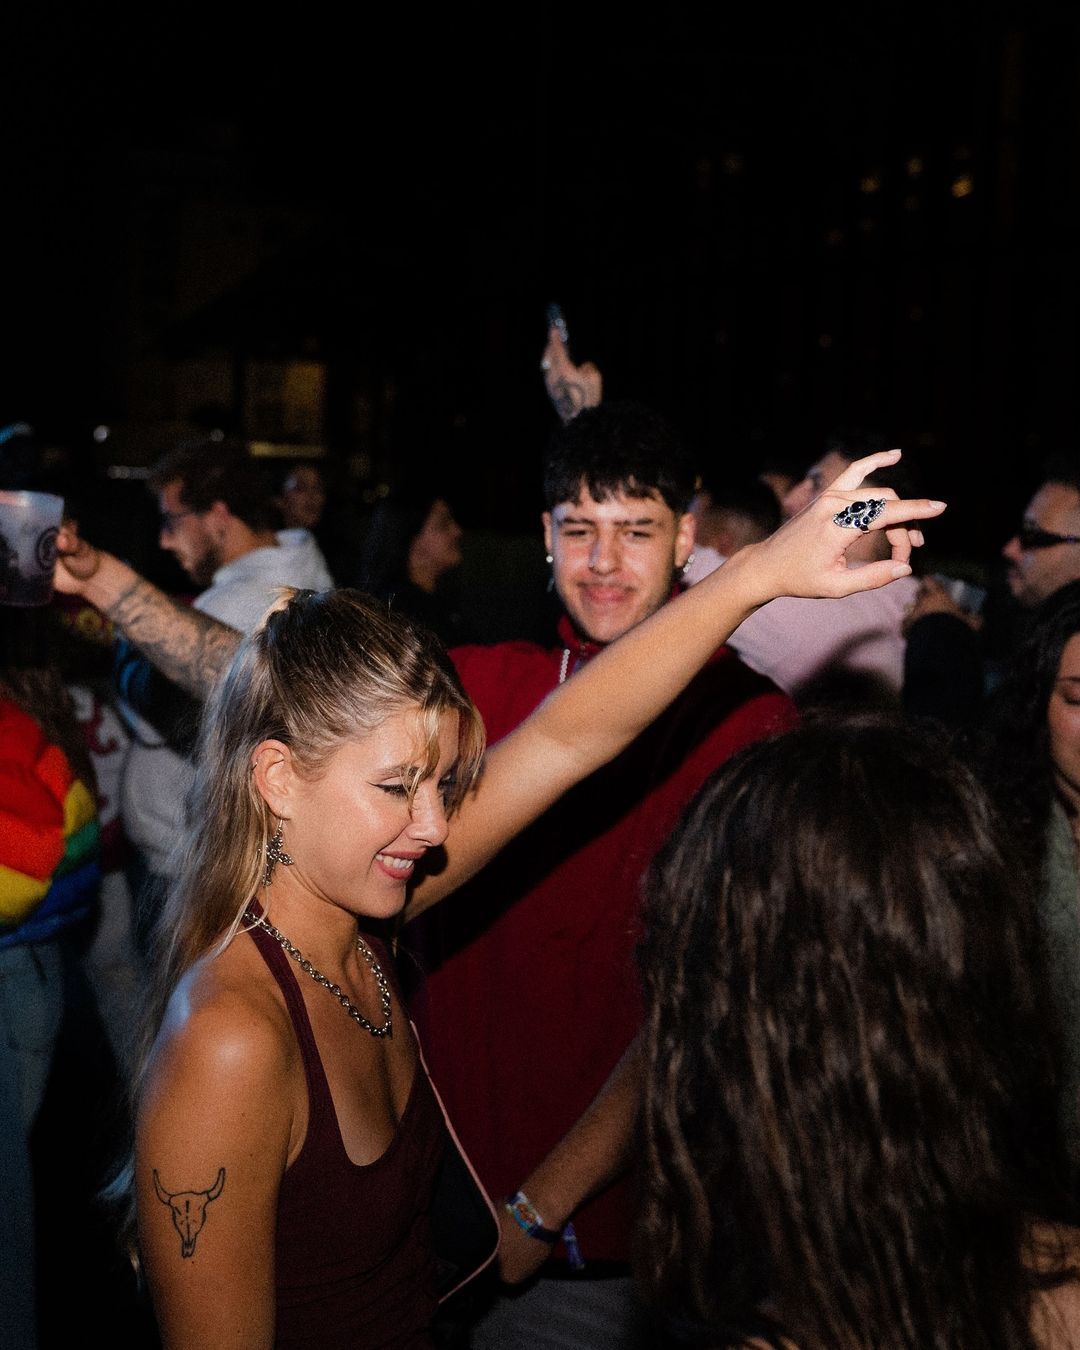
point(531, 997)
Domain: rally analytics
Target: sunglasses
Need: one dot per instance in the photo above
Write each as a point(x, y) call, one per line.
point(1032, 537)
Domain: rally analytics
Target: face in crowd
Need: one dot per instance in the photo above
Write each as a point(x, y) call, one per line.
point(615, 561)
point(357, 829)
point(436, 548)
point(1044, 554)
point(303, 498)
point(194, 538)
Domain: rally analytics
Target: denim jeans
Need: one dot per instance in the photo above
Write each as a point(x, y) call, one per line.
point(565, 1314)
point(31, 1006)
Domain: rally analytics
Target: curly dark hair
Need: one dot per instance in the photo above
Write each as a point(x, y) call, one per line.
point(619, 447)
point(849, 1062)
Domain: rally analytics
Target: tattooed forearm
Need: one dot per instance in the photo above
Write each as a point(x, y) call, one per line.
point(189, 1209)
point(189, 648)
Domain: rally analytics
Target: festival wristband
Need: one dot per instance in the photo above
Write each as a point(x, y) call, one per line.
point(527, 1218)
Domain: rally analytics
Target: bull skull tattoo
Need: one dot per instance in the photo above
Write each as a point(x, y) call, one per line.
point(189, 1209)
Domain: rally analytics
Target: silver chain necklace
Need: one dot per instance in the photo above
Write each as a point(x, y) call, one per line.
point(305, 965)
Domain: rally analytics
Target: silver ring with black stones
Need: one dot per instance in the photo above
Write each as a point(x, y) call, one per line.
point(860, 515)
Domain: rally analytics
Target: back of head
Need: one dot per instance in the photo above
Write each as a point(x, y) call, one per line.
point(618, 447)
point(213, 471)
point(736, 511)
point(844, 1036)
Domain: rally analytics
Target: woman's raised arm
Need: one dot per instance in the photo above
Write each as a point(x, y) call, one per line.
point(589, 719)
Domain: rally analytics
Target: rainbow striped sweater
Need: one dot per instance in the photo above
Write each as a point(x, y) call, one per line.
point(48, 835)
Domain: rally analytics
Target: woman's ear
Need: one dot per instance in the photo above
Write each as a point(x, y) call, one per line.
point(275, 775)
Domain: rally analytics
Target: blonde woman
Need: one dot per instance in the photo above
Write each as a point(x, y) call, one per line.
point(287, 1139)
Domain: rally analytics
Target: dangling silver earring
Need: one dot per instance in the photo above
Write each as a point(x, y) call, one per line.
point(687, 565)
point(549, 559)
point(275, 854)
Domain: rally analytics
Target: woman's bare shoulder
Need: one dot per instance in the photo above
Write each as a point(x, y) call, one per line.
point(226, 1020)
point(217, 1125)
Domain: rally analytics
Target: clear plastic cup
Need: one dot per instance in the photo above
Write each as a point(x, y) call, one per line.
point(29, 524)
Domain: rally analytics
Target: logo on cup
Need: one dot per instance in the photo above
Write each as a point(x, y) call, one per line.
point(45, 548)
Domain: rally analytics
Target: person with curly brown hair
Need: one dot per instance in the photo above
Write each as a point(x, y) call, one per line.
point(850, 1065)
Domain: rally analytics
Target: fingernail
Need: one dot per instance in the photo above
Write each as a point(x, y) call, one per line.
point(901, 570)
point(939, 505)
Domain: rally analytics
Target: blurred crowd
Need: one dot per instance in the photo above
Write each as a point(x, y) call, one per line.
point(768, 1033)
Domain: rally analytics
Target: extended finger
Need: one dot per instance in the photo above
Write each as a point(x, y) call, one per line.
point(554, 353)
point(877, 509)
point(881, 510)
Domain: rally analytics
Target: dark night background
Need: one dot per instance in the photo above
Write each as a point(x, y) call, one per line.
point(338, 230)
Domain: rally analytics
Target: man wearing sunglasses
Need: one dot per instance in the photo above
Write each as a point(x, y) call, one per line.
point(944, 668)
point(1044, 554)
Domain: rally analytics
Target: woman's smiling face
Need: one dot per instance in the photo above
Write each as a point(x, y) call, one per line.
point(354, 833)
